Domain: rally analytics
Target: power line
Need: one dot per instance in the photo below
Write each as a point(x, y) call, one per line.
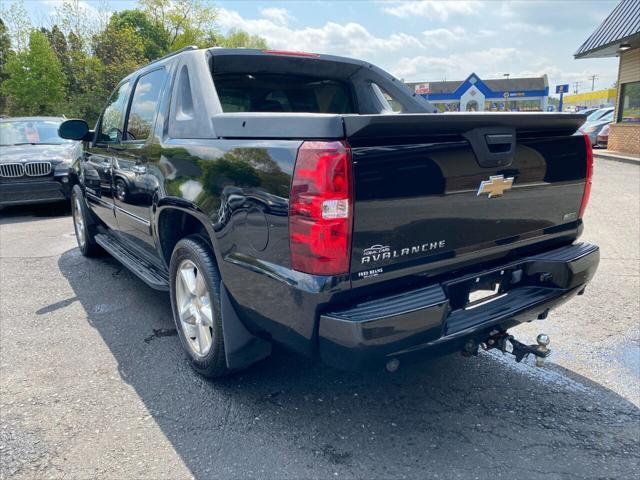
point(576, 85)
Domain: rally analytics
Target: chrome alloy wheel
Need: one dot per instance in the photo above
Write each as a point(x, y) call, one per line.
point(121, 192)
point(79, 221)
point(194, 308)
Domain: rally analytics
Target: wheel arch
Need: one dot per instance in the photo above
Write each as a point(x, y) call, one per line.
point(123, 178)
point(178, 219)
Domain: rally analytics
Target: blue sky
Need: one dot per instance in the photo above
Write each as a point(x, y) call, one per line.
point(424, 40)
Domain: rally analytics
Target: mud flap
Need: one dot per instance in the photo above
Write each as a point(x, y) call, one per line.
point(242, 348)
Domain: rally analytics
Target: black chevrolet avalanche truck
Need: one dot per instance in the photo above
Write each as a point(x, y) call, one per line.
point(315, 201)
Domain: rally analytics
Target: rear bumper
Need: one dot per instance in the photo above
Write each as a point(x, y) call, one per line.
point(438, 318)
point(52, 189)
point(602, 141)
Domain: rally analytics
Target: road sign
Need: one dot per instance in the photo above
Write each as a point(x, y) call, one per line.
point(561, 89)
point(422, 88)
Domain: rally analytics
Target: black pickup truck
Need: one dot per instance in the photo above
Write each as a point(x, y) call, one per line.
point(315, 201)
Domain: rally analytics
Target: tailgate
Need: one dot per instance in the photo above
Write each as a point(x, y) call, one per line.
point(437, 192)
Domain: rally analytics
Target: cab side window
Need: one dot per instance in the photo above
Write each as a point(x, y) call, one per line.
point(113, 115)
point(144, 106)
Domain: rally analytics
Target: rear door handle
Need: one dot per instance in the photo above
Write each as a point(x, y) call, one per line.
point(493, 146)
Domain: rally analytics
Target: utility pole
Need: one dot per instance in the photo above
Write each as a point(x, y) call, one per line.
point(575, 87)
point(593, 79)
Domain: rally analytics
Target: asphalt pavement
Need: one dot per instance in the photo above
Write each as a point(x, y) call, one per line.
point(93, 382)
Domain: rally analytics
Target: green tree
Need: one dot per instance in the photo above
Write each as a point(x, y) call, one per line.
point(36, 83)
point(58, 43)
point(239, 39)
point(89, 95)
point(155, 38)
point(72, 66)
point(18, 24)
point(186, 22)
point(121, 51)
point(82, 18)
point(5, 51)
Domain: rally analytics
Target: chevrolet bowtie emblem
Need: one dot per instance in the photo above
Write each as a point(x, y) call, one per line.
point(495, 186)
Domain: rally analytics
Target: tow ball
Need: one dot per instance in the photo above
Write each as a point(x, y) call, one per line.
point(508, 344)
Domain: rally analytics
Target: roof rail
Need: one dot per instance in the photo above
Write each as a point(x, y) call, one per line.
point(183, 49)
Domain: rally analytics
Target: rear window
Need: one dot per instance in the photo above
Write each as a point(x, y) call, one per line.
point(282, 93)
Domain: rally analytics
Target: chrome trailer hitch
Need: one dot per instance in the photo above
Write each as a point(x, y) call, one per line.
point(508, 344)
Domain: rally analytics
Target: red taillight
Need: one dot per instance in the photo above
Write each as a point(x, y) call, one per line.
point(287, 53)
point(320, 209)
point(589, 176)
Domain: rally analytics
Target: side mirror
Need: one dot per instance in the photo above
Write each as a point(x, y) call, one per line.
point(75, 129)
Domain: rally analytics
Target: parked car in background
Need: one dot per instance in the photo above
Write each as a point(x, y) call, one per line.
point(34, 161)
point(599, 113)
point(602, 140)
point(587, 111)
point(593, 128)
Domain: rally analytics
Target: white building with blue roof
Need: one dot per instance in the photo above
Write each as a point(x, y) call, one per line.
point(476, 94)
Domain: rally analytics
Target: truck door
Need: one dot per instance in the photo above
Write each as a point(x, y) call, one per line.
point(98, 165)
point(136, 180)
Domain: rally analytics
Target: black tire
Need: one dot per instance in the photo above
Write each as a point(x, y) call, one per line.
point(195, 249)
point(122, 192)
point(88, 247)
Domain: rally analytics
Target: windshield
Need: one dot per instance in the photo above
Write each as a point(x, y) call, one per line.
point(35, 132)
point(597, 115)
point(608, 117)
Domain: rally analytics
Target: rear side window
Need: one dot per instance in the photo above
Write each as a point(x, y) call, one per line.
point(144, 105)
point(283, 93)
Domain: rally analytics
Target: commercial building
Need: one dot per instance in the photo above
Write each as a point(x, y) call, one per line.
point(476, 94)
point(599, 98)
point(619, 35)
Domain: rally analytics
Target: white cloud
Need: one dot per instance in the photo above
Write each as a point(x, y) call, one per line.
point(453, 67)
point(277, 15)
point(485, 33)
point(76, 5)
point(488, 46)
point(522, 27)
point(349, 39)
point(443, 37)
point(439, 10)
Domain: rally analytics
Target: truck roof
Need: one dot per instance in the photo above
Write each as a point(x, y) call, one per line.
point(236, 60)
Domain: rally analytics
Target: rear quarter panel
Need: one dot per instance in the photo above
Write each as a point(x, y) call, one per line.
point(241, 189)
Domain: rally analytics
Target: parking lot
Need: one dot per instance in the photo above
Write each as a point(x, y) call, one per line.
point(89, 391)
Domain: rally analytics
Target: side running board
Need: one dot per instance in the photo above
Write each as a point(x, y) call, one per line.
point(143, 270)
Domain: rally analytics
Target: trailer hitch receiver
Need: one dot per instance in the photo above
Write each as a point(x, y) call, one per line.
point(508, 344)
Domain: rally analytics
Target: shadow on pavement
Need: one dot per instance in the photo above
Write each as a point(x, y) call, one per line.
point(30, 213)
point(289, 418)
